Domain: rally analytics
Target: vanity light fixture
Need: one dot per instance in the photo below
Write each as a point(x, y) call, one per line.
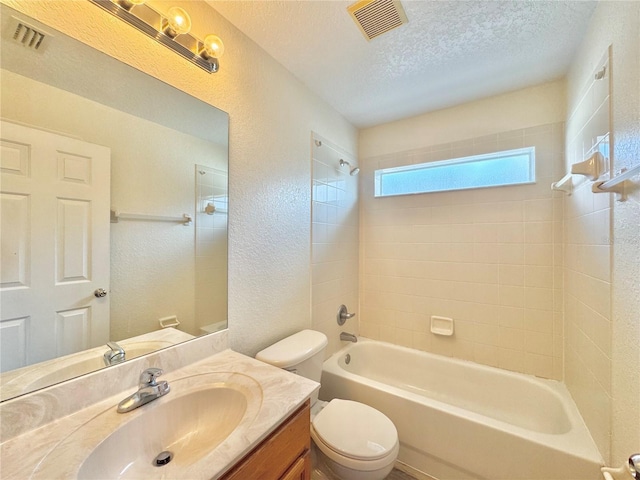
point(177, 22)
point(212, 47)
point(129, 4)
point(170, 29)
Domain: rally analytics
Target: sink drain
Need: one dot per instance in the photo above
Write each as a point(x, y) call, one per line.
point(162, 458)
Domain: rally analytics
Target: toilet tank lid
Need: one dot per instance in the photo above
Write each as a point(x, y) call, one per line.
point(294, 349)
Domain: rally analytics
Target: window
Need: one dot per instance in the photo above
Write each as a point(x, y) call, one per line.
point(511, 167)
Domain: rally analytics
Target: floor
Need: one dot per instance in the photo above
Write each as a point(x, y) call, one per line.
point(395, 474)
point(320, 471)
point(398, 475)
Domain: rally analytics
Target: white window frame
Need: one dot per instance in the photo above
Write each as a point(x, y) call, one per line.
point(530, 151)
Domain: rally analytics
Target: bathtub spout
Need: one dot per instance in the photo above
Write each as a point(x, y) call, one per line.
point(348, 337)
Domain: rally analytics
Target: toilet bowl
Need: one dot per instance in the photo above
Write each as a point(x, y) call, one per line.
point(354, 440)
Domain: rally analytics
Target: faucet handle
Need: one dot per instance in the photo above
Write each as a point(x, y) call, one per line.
point(344, 315)
point(148, 377)
point(115, 348)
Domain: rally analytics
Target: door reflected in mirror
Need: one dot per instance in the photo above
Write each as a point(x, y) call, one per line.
point(101, 165)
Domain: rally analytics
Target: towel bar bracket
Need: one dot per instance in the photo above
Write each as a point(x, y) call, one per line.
point(618, 184)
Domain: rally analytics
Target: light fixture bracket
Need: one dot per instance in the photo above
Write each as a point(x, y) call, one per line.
point(150, 22)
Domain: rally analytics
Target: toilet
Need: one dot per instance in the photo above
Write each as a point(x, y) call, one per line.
point(356, 441)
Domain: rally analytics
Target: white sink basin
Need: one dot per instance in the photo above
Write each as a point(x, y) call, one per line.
point(191, 421)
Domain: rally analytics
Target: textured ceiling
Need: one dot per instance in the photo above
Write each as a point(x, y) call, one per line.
point(449, 53)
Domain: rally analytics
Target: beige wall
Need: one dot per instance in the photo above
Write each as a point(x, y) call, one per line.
point(334, 242)
point(602, 352)
point(525, 108)
point(272, 115)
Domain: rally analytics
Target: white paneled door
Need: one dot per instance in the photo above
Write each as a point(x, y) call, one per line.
point(54, 227)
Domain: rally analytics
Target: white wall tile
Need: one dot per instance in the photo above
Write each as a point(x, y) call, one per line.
point(539, 321)
point(587, 252)
point(485, 257)
point(335, 245)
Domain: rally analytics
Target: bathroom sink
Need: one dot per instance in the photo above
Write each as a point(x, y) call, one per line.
point(191, 421)
point(187, 426)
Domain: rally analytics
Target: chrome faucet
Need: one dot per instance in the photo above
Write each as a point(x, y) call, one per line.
point(148, 390)
point(344, 315)
point(348, 337)
point(115, 355)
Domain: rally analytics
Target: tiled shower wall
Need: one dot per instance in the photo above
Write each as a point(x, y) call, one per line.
point(489, 258)
point(334, 237)
point(587, 233)
point(212, 207)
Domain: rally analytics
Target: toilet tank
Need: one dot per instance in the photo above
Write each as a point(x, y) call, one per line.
point(301, 353)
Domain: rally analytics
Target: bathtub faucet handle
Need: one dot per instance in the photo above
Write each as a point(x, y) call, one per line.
point(344, 315)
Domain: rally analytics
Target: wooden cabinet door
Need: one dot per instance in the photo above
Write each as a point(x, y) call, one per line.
point(300, 470)
point(273, 458)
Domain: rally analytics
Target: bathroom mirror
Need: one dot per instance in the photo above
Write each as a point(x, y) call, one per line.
point(100, 165)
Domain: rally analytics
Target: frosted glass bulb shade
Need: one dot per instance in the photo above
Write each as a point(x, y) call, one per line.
point(213, 47)
point(178, 22)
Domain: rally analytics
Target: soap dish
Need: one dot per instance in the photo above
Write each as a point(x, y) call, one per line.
point(442, 326)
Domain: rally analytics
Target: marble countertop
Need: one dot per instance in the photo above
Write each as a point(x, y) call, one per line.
point(57, 449)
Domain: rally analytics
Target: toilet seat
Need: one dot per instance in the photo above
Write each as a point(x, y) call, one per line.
point(355, 435)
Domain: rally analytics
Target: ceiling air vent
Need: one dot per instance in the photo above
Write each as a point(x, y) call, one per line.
point(27, 35)
point(375, 17)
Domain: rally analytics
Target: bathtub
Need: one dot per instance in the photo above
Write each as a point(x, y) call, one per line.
point(458, 420)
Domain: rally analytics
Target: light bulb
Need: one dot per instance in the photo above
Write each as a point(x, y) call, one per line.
point(212, 47)
point(178, 22)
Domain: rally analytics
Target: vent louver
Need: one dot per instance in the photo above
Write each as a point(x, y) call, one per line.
point(375, 17)
point(26, 35)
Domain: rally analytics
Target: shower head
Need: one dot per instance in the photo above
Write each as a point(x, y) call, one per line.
point(354, 171)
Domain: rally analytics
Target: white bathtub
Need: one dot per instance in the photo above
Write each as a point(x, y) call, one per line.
point(458, 420)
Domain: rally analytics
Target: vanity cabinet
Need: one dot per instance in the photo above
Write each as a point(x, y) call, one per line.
point(300, 470)
point(283, 455)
